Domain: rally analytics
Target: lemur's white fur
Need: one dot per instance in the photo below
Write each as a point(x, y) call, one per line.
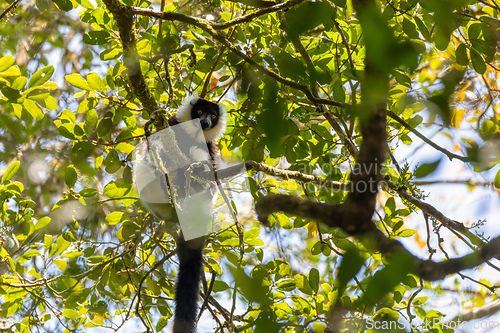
point(184, 114)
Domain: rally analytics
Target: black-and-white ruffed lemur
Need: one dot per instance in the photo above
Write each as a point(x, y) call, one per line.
point(212, 117)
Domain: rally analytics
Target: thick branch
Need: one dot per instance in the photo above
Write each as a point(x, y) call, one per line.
point(335, 216)
point(298, 207)
point(125, 20)
point(334, 185)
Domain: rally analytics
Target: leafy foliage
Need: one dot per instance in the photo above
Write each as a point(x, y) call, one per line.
point(78, 249)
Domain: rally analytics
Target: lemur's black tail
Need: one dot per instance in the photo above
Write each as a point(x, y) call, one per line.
point(187, 287)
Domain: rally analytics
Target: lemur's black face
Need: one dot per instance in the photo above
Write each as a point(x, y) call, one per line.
point(207, 112)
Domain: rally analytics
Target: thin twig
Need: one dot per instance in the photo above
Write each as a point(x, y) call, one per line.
point(11, 6)
point(450, 155)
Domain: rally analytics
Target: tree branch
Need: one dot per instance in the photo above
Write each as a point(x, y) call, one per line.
point(450, 155)
point(221, 38)
point(336, 216)
point(269, 170)
point(125, 20)
point(249, 17)
point(255, 3)
point(482, 312)
point(334, 185)
point(6, 11)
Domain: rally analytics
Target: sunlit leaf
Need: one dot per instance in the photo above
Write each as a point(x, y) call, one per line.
point(77, 81)
point(426, 168)
point(97, 37)
point(41, 76)
point(10, 172)
point(6, 62)
point(71, 175)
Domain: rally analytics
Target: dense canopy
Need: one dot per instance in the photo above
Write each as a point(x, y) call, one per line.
point(352, 117)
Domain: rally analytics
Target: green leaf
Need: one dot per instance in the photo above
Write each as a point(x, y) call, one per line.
point(272, 120)
point(286, 285)
point(10, 172)
point(19, 83)
point(497, 180)
point(307, 16)
point(386, 315)
point(97, 37)
point(71, 314)
point(398, 225)
point(410, 29)
point(88, 192)
point(423, 29)
point(162, 323)
point(116, 189)
point(87, 104)
point(11, 72)
point(110, 54)
point(474, 30)
point(426, 168)
point(350, 265)
point(391, 204)
point(42, 222)
point(116, 218)
point(406, 233)
point(76, 80)
point(94, 260)
point(104, 127)
point(6, 62)
point(70, 176)
point(420, 300)
point(127, 230)
point(112, 162)
point(61, 264)
point(86, 3)
point(314, 279)
point(303, 284)
point(251, 288)
point(11, 94)
point(65, 5)
point(59, 247)
point(41, 76)
point(402, 78)
point(319, 327)
point(384, 281)
point(290, 66)
point(461, 55)
point(90, 121)
point(477, 62)
point(95, 82)
point(68, 235)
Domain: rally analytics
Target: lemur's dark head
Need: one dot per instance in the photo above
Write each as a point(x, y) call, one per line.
point(212, 116)
point(207, 112)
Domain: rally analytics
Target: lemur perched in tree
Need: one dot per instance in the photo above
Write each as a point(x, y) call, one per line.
point(212, 118)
